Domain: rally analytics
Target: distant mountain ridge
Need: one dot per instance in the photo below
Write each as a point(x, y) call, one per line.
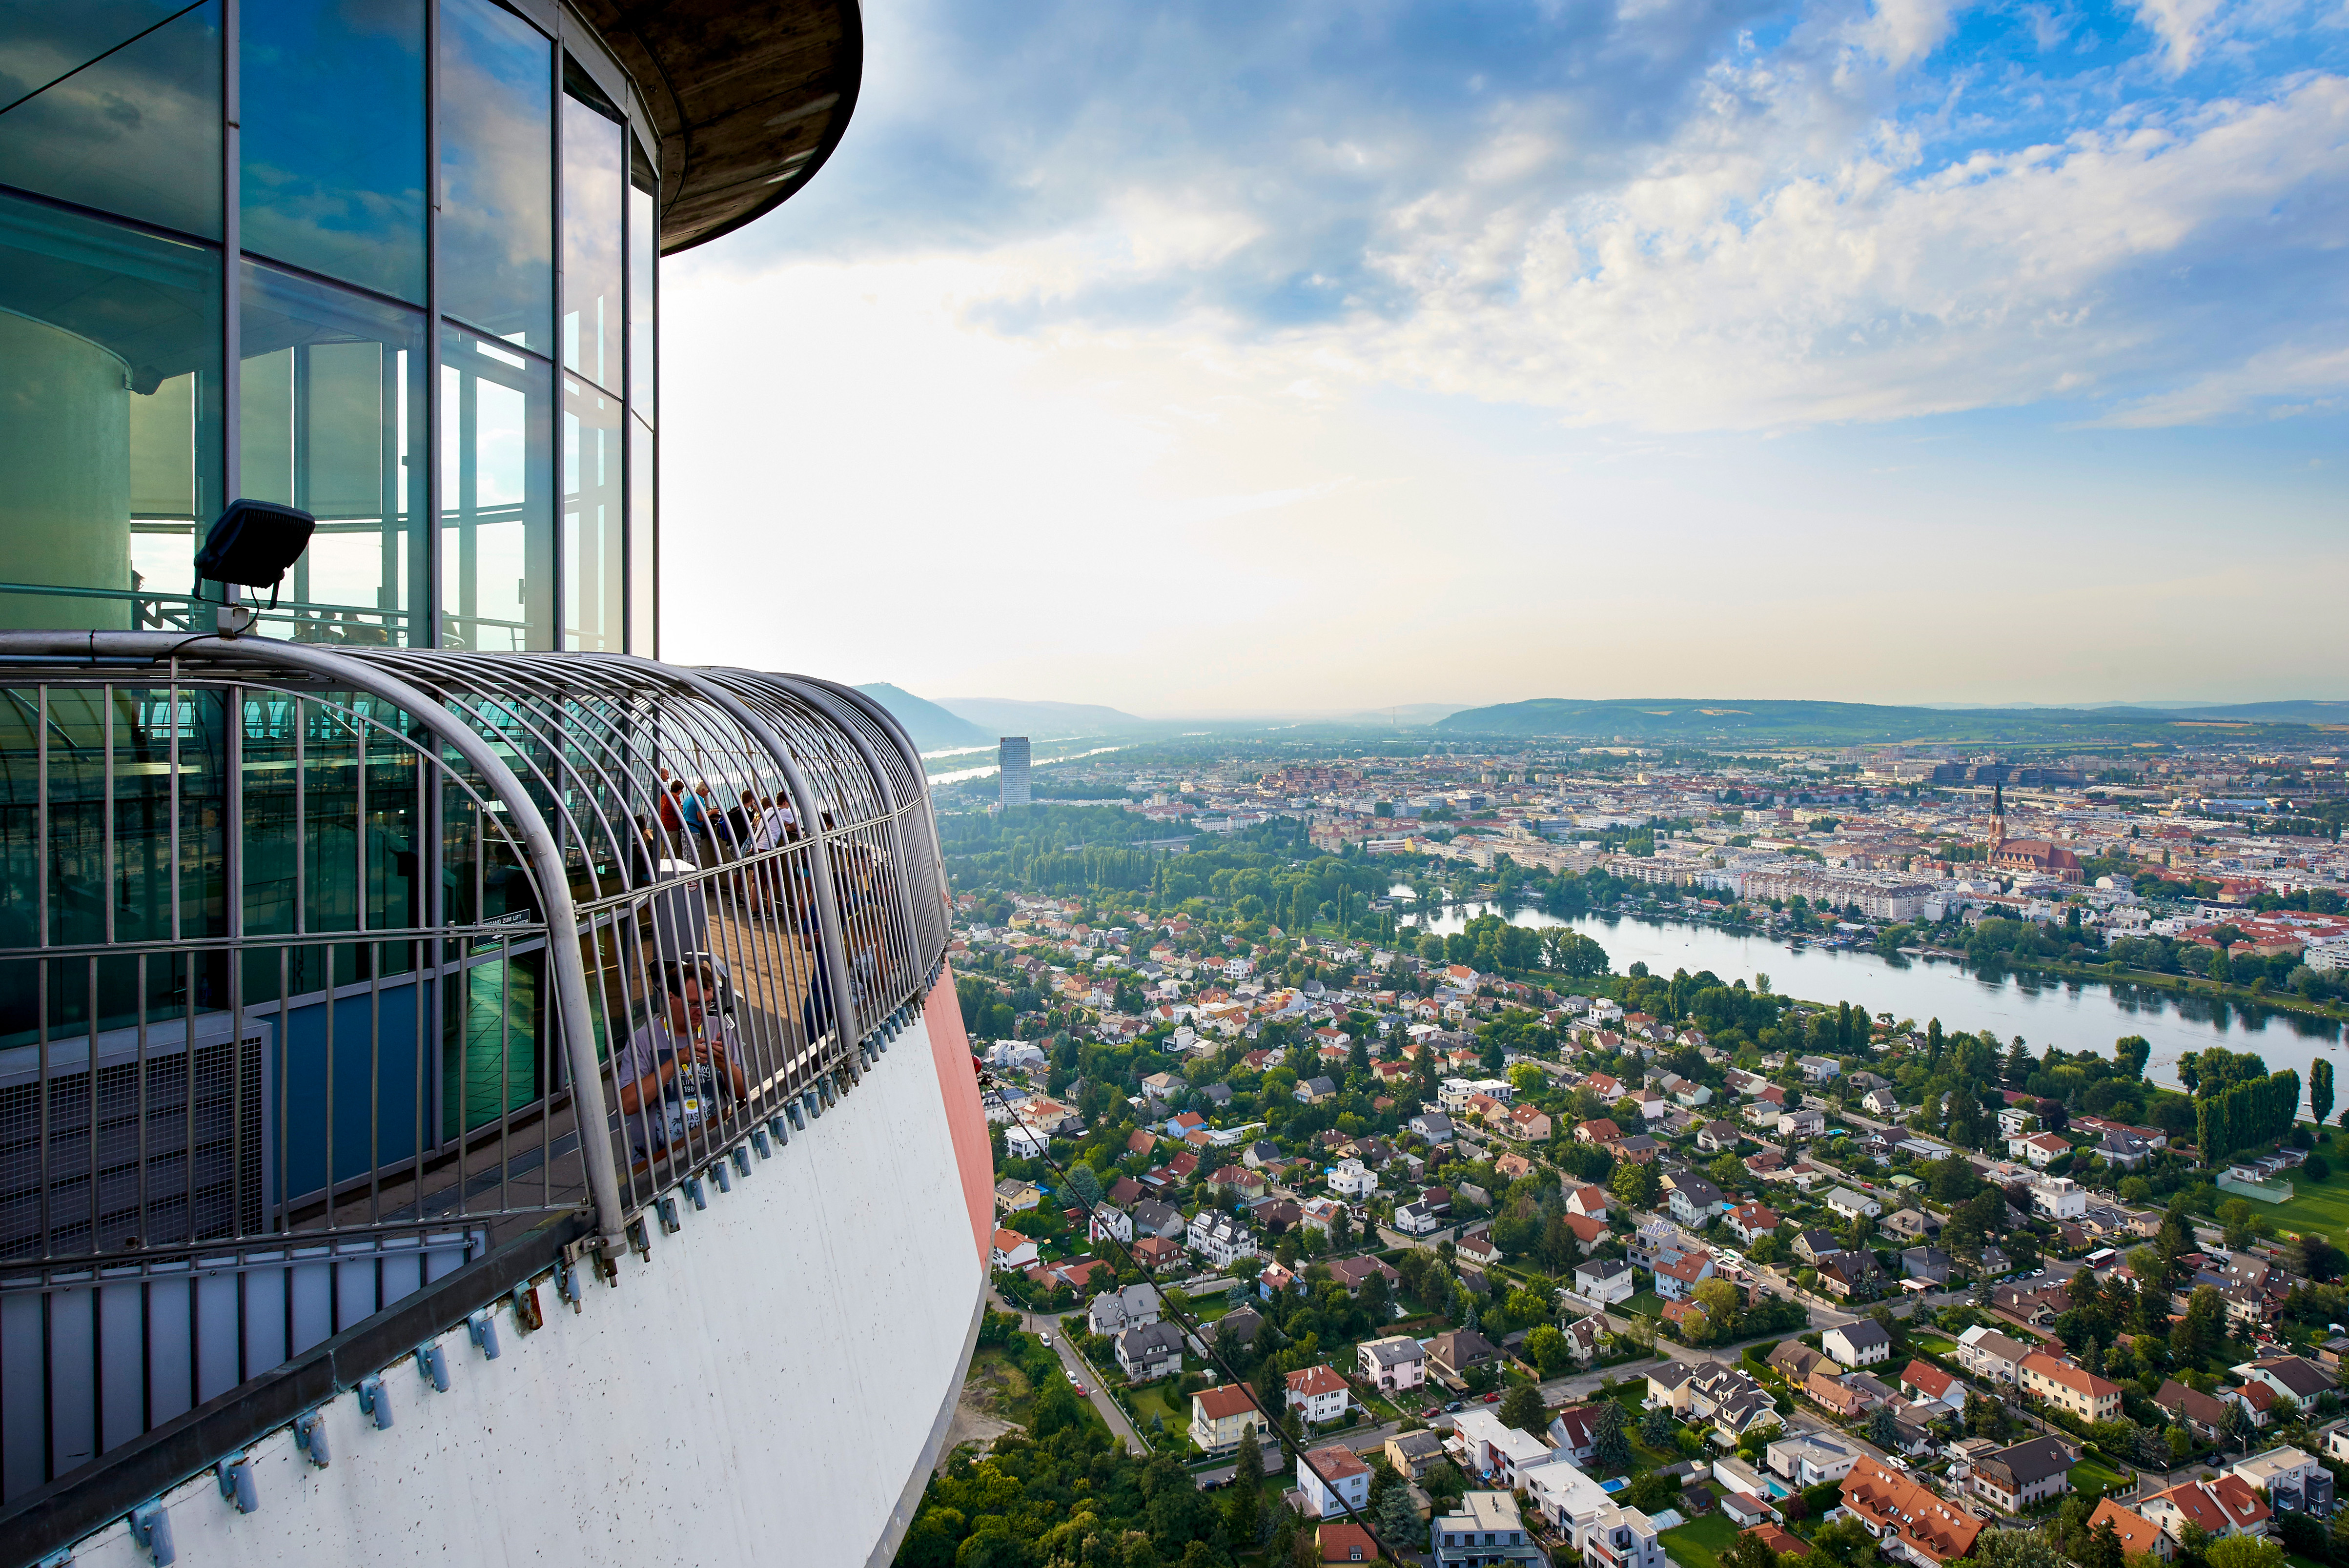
point(1764, 722)
point(932, 727)
point(1007, 716)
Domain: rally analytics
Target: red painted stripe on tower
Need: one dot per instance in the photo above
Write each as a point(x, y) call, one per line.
point(959, 1082)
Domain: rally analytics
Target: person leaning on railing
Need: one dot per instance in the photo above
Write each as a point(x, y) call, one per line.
point(684, 1063)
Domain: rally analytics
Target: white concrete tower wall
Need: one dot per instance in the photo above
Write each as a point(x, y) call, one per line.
point(772, 1384)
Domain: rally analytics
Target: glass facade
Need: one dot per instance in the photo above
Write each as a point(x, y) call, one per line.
point(432, 456)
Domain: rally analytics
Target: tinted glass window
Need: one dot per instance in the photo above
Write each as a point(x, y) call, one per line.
point(497, 517)
point(593, 559)
point(497, 172)
point(109, 374)
point(643, 536)
point(643, 234)
point(135, 132)
point(333, 138)
point(594, 183)
point(331, 390)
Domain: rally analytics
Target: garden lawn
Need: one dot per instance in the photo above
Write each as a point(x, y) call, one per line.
point(1934, 1344)
point(2093, 1478)
point(1155, 1400)
point(1700, 1542)
point(1647, 1304)
point(2315, 1206)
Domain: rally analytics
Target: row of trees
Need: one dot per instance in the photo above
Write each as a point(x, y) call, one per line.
point(2245, 1114)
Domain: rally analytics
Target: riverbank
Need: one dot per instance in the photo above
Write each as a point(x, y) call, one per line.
point(2186, 985)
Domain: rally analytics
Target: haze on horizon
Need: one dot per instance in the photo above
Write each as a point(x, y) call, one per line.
point(1229, 359)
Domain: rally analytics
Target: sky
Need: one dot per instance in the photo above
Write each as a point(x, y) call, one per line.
point(1259, 358)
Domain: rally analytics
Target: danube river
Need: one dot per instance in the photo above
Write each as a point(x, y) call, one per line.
point(2045, 1012)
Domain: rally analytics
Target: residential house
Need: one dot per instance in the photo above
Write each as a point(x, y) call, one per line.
point(1333, 1480)
point(1852, 1205)
point(2303, 1380)
point(1316, 1394)
point(1677, 1278)
point(1711, 1392)
point(1602, 1131)
point(1604, 1280)
point(1795, 1361)
point(2040, 1149)
point(1314, 1090)
point(1150, 1352)
point(1694, 1201)
point(1352, 1179)
point(1262, 1152)
point(1586, 1200)
point(1240, 1325)
point(1218, 1240)
point(1219, 1417)
point(1011, 1251)
point(1818, 1069)
point(1815, 1247)
point(1013, 1195)
point(1452, 1354)
point(1487, 1531)
point(1354, 1272)
point(1156, 1252)
point(1153, 1218)
point(1717, 1137)
point(1835, 1397)
point(1394, 1363)
point(2294, 1481)
point(1751, 1222)
point(2203, 1415)
point(1116, 1311)
point(1525, 1122)
point(2012, 1479)
point(2227, 1506)
point(1239, 1179)
point(1804, 1460)
point(1934, 1393)
point(2138, 1534)
point(1410, 1453)
point(2071, 1387)
point(1912, 1523)
point(1500, 1454)
point(1108, 1221)
point(1638, 1148)
point(1574, 1433)
point(1582, 1339)
point(1342, 1540)
point(1802, 1124)
point(1861, 1343)
point(1416, 1218)
point(1931, 1264)
point(1853, 1276)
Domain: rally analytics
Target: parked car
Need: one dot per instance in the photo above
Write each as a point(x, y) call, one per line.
point(1044, 1339)
point(1494, 1397)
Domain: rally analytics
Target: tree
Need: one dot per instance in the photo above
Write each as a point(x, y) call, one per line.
point(2181, 1446)
point(2019, 1549)
point(1522, 1408)
point(1635, 1182)
point(1747, 1551)
point(2320, 1089)
point(2104, 1548)
point(1397, 1520)
point(2244, 1551)
point(1884, 1430)
point(1548, 1350)
point(1656, 1426)
point(1611, 1449)
point(1085, 1184)
point(1847, 1541)
point(1244, 1510)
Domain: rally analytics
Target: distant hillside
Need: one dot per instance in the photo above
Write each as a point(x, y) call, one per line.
point(1004, 716)
point(1767, 723)
point(932, 727)
point(1405, 716)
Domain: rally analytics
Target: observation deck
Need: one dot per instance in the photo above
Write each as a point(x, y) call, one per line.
point(425, 1133)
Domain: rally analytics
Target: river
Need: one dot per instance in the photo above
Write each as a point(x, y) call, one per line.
point(2074, 1015)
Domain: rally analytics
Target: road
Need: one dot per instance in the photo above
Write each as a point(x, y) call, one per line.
point(1080, 1374)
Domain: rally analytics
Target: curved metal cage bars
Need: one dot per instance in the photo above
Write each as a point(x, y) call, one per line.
point(322, 945)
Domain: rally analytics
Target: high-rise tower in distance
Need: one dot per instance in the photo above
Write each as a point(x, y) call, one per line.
point(1011, 758)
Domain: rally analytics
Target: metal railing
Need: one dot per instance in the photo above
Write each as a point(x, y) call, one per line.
point(323, 971)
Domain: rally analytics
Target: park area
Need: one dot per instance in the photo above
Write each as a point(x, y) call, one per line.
point(2319, 1206)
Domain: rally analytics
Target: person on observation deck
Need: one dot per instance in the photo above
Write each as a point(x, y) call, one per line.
point(681, 1065)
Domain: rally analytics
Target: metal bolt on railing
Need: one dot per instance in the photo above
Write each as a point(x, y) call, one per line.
point(375, 1400)
point(483, 1329)
point(151, 1528)
point(721, 1175)
point(310, 1436)
point(234, 1474)
point(432, 1365)
point(693, 1190)
point(760, 1141)
point(742, 1157)
point(666, 1207)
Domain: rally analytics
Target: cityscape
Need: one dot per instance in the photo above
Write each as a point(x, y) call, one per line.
point(541, 1022)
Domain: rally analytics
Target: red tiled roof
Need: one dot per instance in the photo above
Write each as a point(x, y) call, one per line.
point(1232, 1399)
point(1895, 1505)
point(2137, 1532)
point(1926, 1379)
point(2217, 1504)
point(1315, 1380)
point(1337, 1462)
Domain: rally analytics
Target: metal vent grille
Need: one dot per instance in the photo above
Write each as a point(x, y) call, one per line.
point(165, 1166)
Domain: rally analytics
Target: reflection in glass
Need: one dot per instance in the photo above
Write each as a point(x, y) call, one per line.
point(593, 180)
point(497, 527)
point(497, 161)
point(643, 537)
point(643, 232)
point(331, 419)
point(137, 132)
point(333, 138)
point(592, 553)
point(109, 374)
